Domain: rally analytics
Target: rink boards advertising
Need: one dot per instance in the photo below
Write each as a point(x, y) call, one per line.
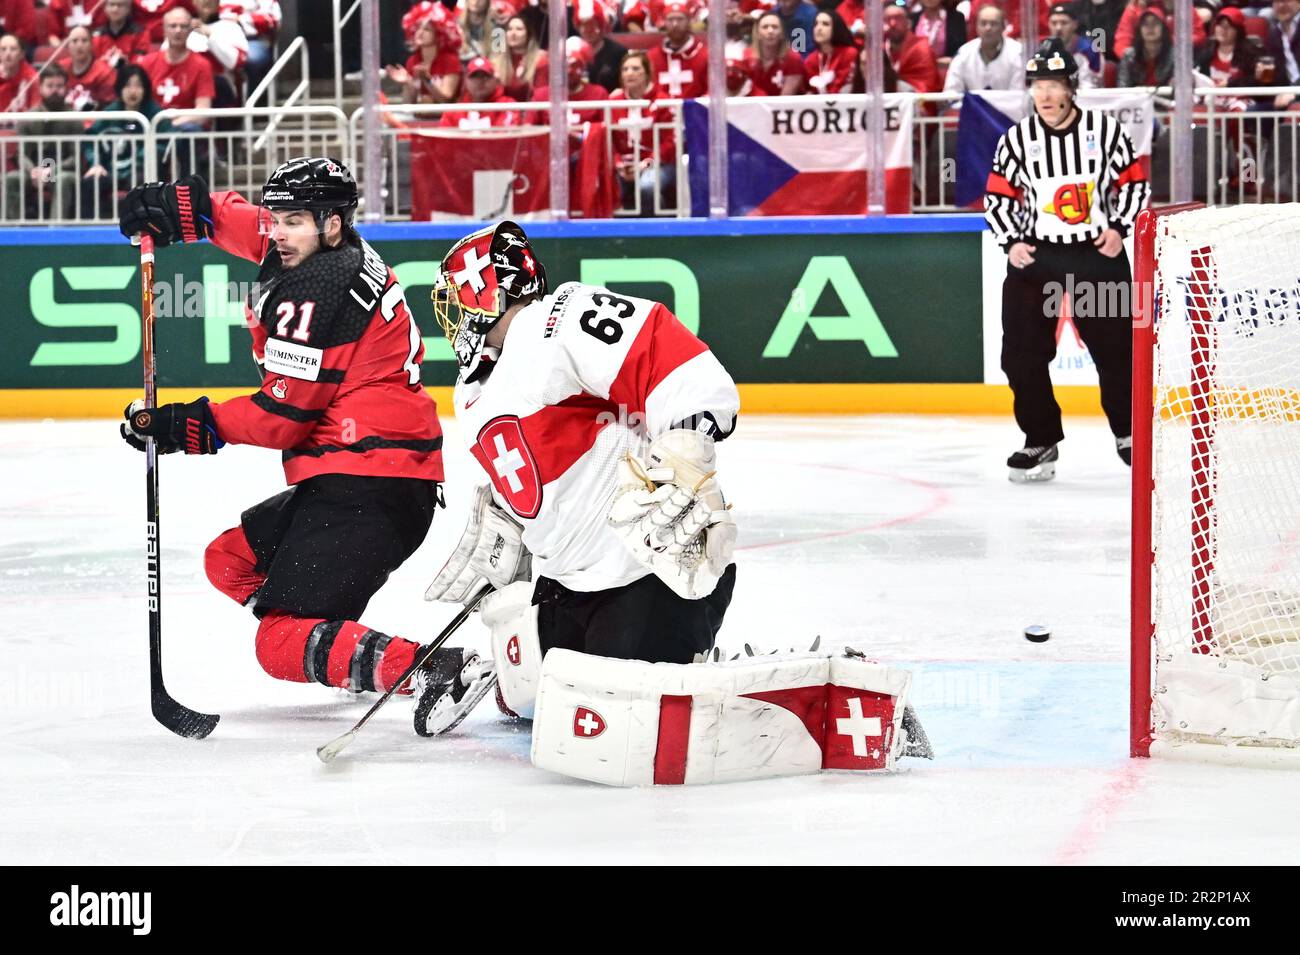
point(810, 315)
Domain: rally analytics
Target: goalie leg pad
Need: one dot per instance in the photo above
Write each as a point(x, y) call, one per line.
point(515, 646)
point(630, 723)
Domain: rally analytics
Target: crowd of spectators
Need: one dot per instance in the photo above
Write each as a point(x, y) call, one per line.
point(801, 47)
point(104, 56)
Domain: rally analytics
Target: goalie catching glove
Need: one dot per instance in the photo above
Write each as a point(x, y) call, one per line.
point(670, 514)
point(491, 549)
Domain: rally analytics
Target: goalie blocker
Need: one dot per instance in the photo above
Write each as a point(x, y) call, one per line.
point(629, 723)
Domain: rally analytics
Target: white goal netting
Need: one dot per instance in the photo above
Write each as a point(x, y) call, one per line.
point(1226, 475)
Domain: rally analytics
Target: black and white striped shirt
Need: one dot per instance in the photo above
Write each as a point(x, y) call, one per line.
point(1064, 185)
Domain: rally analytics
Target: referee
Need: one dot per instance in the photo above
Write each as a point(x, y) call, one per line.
point(1064, 191)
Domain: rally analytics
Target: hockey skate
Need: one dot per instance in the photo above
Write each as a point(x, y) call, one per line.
point(1124, 448)
point(1032, 465)
point(448, 687)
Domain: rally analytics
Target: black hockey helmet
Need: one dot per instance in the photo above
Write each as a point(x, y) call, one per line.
point(480, 277)
point(321, 185)
point(1052, 61)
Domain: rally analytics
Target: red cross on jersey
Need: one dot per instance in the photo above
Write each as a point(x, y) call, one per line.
point(179, 85)
point(683, 73)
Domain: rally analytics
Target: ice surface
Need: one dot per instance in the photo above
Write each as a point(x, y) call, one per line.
point(898, 535)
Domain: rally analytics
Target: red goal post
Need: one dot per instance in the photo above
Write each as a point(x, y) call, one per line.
point(1215, 575)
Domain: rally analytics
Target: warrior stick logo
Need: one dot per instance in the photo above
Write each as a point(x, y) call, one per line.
point(76, 908)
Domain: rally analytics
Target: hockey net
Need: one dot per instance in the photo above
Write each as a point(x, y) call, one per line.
point(1216, 478)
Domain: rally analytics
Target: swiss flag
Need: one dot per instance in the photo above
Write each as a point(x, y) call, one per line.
point(587, 723)
point(859, 724)
point(504, 453)
point(507, 174)
point(512, 650)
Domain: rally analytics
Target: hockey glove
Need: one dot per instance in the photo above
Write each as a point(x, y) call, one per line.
point(179, 211)
point(671, 515)
point(175, 427)
point(491, 548)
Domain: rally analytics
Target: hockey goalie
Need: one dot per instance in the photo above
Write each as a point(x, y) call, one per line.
point(604, 530)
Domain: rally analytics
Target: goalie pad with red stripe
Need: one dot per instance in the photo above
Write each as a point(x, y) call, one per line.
point(630, 723)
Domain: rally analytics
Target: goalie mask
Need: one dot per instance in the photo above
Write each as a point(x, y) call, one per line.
point(482, 276)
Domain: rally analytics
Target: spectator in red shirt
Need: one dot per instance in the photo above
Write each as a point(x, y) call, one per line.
point(481, 86)
point(181, 79)
point(19, 18)
point(577, 61)
point(778, 70)
point(1230, 59)
point(740, 62)
point(432, 74)
point(679, 65)
point(909, 54)
point(830, 66)
point(121, 40)
point(66, 14)
point(642, 135)
point(91, 82)
point(1126, 31)
point(1012, 10)
point(516, 65)
point(18, 88)
point(150, 14)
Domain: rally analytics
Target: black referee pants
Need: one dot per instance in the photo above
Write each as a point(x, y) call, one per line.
point(1104, 321)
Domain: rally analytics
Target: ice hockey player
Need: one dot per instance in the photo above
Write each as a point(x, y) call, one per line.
point(1065, 189)
point(594, 416)
point(341, 398)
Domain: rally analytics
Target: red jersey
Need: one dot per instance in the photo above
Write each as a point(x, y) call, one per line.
point(470, 119)
point(681, 73)
point(914, 63)
point(834, 75)
point(770, 78)
point(590, 93)
point(19, 18)
point(131, 44)
point(340, 356)
point(66, 14)
point(445, 63)
point(93, 89)
point(638, 125)
point(179, 85)
point(24, 80)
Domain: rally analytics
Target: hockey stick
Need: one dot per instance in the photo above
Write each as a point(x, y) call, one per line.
point(180, 719)
point(336, 746)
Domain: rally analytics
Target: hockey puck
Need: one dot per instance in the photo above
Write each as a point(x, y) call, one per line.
point(1037, 634)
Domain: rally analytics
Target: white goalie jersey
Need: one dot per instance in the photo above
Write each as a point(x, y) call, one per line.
point(585, 376)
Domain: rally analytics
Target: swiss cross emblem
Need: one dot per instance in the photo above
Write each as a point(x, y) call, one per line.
point(504, 454)
point(587, 723)
point(859, 724)
point(167, 89)
point(512, 650)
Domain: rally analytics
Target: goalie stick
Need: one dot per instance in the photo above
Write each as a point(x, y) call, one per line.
point(176, 717)
point(337, 745)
